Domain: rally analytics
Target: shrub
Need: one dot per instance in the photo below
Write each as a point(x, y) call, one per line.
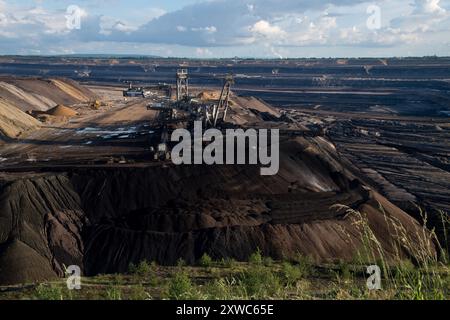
point(260, 283)
point(48, 292)
point(267, 261)
point(344, 270)
point(138, 292)
point(132, 268)
point(220, 289)
point(291, 274)
point(180, 287)
point(228, 262)
point(205, 261)
point(181, 262)
point(142, 269)
point(256, 258)
point(305, 264)
point(114, 293)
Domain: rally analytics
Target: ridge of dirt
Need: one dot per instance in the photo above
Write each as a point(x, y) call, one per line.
point(42, 94)
point(13, 121)
point(62, 111)
point(105, 219)
point(24, 99)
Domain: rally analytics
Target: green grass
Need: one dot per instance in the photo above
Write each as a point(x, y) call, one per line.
point(48, 292)
point(205, 261)
point(414, 272)
point(256, 258)
point(244, 280)
point(113, 293)
point(142, 269)
point(180, 287)
point(291, 273)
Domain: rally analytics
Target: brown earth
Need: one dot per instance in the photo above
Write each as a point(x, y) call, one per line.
point(209, 95)
point(42, 94)
point(13, 121)
point(105, 218)
point(37, 97)
point(67, 210)
point(62, 111)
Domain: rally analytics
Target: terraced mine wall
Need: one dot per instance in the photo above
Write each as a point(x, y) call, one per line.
point(105, 219)
point(416, 86)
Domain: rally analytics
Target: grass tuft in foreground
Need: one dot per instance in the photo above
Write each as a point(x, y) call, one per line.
point(417, 269)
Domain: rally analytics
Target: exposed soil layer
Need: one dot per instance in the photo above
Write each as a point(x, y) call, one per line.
point(394, 86)
point(406, 159)
point(87, 193)
point(13, 121)
point(104, 219)
point(36, 96)
point(29, 94)
point(62, 111)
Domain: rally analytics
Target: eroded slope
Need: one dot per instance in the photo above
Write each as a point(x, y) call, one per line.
point(104, 219)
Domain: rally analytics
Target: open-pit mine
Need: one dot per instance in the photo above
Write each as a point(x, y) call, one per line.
point(87, 176)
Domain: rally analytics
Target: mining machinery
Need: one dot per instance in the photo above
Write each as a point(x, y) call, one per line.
point(136, 91)
point(216, 113)
point(182, 85)
point(185, 109)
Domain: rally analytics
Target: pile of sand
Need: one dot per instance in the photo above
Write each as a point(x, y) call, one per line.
point(245, 109)
point(40, 94)
point(72, 89)
point(23, 98)
point(141, 215)
point(209, 95)
point(13, 121)
point(62, 111)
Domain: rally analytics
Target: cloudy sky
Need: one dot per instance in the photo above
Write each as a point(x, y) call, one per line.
point(226, 28)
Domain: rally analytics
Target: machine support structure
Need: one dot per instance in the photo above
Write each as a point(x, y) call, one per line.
point(222, 107)
point(182, 84)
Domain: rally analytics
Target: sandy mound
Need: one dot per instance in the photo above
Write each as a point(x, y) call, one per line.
point(21, 263)
point(245, 110)
point(163, 214)
point(38, 247)
point(13, 121)
point(72, 90)
point(24, 99)
point(62, 111)
point(40, 94)
point(256, 104)
point(209, 95)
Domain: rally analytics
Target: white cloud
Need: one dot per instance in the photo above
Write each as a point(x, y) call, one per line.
point(425, 18)
point(203, 52)
point(210, 29)
point(3, 20)
point(318, 31)
point(265, 29)
point(429, 6)
point(109, 25)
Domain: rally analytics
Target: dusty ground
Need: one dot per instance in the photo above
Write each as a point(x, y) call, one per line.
point(119, 129)
point(91, 195)
point(406, 158)
point(229, 279)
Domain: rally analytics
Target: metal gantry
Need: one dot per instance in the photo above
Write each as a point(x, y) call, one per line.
point(186, 109)
point(220, 111)
point(182, 84)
